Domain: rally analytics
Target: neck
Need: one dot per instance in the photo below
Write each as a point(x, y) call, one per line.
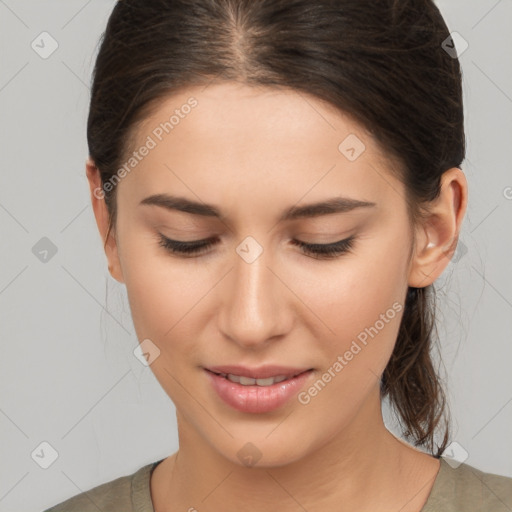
point(364, 467)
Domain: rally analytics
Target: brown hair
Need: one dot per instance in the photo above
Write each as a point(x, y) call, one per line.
point(380, 62)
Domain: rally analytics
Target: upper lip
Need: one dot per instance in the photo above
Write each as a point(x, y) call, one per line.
point(261, 372)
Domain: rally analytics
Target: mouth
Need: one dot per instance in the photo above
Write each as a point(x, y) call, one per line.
point(257, 390)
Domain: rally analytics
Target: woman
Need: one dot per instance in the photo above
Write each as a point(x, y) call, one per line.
point(278, 185)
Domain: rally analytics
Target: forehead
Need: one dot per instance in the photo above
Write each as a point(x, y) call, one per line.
point(238, 114)
point(233, 138)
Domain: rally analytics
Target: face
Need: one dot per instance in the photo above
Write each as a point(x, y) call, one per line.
point(259, 291)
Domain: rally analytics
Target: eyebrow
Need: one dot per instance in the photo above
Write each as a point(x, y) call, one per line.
point(330, 206)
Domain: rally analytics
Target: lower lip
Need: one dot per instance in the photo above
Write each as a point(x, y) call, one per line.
point(257, 399)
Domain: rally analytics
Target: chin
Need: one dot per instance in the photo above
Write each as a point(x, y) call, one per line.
point(263, 452)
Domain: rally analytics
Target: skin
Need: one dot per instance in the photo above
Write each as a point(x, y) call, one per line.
point(253, 153)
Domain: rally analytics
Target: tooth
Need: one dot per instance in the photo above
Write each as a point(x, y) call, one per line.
point(280, 378)
point(233, 378)
point(265, 382)
point(247, 381)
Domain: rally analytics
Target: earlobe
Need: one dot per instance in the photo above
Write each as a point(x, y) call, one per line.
point(102, 217)
point(437, 236)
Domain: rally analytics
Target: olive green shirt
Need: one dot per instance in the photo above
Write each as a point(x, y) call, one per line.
point(460, 489)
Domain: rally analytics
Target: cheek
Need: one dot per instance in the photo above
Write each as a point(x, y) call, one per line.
point(161, 292)
point(360, 305)
point(363, 322)
point(165, 301)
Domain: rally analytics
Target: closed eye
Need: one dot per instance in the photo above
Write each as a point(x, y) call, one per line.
point(327, 250)
point(317, 251)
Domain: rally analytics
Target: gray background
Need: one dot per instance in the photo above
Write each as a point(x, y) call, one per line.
point(68, 374)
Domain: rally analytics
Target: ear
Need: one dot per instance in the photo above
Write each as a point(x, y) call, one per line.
point(437, 236)
point(102, 220)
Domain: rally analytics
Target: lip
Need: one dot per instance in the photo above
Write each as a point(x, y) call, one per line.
point(262, 372)
point(257, 399)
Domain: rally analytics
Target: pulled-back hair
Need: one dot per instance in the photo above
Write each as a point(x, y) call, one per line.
point(381, 62)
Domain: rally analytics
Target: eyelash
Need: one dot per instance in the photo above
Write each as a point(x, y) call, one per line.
point(317, 251)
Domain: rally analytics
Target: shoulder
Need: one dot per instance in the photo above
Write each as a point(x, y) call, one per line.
point(464, 488)
point(116, 495)
point(108, 497)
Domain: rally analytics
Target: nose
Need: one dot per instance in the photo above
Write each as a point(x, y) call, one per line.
point(255, 308)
